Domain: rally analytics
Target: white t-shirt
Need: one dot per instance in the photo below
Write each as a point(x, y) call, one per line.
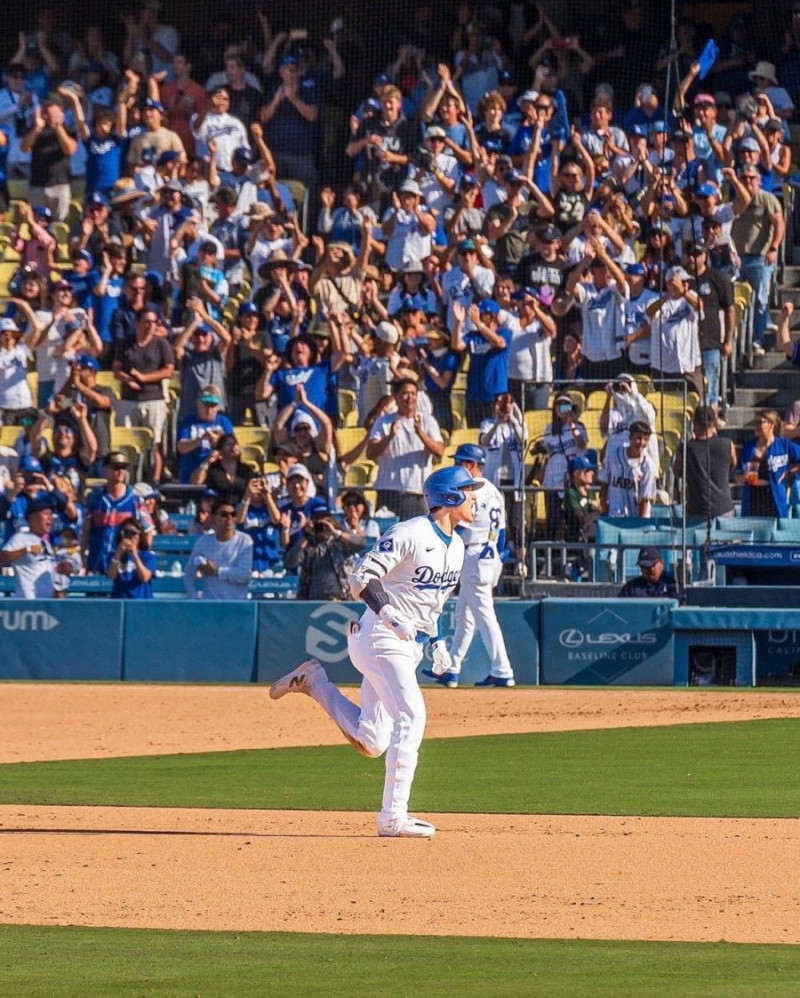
point(674, 340)
point(33, 573)
point(405, 463)
point(457, 287)
point(408, 241)
point(15, 392)
point(629, 480)
point(529, 357)
point(603, 313)
point(419, 567)
point(226, 130)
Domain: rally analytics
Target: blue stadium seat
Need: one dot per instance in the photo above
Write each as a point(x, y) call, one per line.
point(761, 526)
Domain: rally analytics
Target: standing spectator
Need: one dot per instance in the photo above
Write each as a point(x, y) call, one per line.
point(385, 140)
point(530, 364)
point(140, 365)
point(230, 228)
point(223, 559)
point(403, 443)
point(628, 476)
point(566, 438)
point(217, 125)
point(255, 518)
point(224, 472)
point(757, 234)
point(710, 459)
point(105, 142)
point(324, 556)
point(488, 348)
point(51, 143)
point(183, 98)
point(15, 392)
point(16, 108)
point(290, 123)
point(293, 513)
point(31, 554)
point(408, 227)
point(200, 352)
point(715, 291)
point(200, 433)
point(245, 360)
point(106, 508)
point(95, 230)
point(155, 136)
point(602, 305)
point(580, 511)
point(133, 566)
point(765, 468)
point(674, 336)
point(470, 280)
point(243, 89)
point(654, 582)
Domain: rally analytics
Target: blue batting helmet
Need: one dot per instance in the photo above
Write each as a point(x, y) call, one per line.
point(470, 452)
point(448, 486)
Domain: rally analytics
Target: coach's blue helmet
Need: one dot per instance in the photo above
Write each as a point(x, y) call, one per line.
point(449, 486)
point(470, 452)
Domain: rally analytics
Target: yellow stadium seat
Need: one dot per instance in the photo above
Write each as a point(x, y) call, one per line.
point(253, 435)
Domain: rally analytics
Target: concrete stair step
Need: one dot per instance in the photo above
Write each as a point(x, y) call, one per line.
point(765, 398)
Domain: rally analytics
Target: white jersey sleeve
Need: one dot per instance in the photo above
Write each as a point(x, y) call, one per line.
point(418, 566)
point(488, 522)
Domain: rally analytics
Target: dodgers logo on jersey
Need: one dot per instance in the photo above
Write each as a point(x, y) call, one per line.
point(426, 577)
point(386, 545)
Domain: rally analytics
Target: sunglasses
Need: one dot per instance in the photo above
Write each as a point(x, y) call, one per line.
point(226, 513)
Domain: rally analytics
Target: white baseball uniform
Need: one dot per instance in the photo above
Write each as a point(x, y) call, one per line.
point(418, 566)
point(481, 573)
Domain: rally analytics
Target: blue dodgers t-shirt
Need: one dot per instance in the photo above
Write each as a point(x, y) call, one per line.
point(193, 429)
point(314, 379)
point(103, 162)
point(266, 538)
point(106, 304)
point(127, 584)
point(488, 366)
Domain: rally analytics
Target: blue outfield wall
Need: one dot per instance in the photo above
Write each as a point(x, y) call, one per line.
point(555, 641)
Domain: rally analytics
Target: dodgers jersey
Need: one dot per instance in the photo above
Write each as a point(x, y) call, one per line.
point(488, 522)
point(419, 566)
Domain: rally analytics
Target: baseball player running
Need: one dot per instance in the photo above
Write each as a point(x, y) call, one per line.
point(483, 538)
point(404, 580)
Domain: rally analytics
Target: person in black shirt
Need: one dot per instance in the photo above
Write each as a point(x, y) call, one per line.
point(654, 582)
point(716, 294)
point(710, 459)
point(50, 144)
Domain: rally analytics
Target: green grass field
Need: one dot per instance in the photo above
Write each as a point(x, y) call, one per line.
point(741, 770)
point(99, 963)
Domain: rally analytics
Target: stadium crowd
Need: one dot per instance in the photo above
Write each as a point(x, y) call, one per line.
point(522, 237)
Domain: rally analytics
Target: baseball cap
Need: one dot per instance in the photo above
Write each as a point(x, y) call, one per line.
point(218, 89)
point(30, 463)
point(505, 77)
point(773, 125)
point(549, 234)
point(695, 249)
point(635, 269)
point(489, 305)
point(704, 100)
point(146, 491)
point(707, 190)
point(319, 508)
point(168, 156)
point(678, 272)
point(9, 326)
point(467, 246)
point(387, 332)
point(749, 145)
point(288, 60)
point(88, 361)
point(248, 308)
point(96, 200)
point(243, 155)
point(303, 419)
point(410, 187)
point(412, 303)
point(299, 471)
point(580, 463)
point(412, 267)
point(749, 170)
point(154, 105)
point(211, 395)
point(529, 97)
point(514, 176)
point(638, 130)
point(435, 132)
point(658, 127)
point(115, 459)
point(82, 255)
point(648, 557)
point(42, 211)
point(39, 504)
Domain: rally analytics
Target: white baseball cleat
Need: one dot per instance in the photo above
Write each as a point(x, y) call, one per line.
point(405, 828)
point(296, 681)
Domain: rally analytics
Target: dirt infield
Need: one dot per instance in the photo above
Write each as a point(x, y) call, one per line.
point(529, 876)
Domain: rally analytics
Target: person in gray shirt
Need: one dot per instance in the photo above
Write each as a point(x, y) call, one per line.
point(224, 558)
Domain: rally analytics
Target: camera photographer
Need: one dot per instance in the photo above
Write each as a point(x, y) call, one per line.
point(436, 170)
point(132, 568)
point(324, 555)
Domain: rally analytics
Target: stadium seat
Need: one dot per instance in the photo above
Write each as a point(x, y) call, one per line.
point(761, 526)
point(258, 436)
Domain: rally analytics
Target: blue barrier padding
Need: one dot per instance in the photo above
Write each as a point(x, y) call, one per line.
point(192, 641)
point(597, 642)
point(291, 632)
point(56, 639)
point(692, 618)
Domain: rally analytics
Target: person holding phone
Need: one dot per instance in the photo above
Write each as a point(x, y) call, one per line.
point(132, 568)
point(289, 118)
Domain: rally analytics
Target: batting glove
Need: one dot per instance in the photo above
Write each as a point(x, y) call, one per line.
point(442, 660)
point(402, 628)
